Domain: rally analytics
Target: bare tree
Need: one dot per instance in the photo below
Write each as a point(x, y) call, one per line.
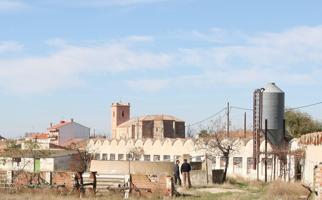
point(214, 142)
point(136, 153)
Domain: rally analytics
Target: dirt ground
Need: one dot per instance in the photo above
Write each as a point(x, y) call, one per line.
point(241, 190)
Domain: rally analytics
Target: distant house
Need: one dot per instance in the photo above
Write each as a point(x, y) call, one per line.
point(40, 160)
point(67, 130)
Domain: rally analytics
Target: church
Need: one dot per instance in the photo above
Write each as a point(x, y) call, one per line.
point(148, 126)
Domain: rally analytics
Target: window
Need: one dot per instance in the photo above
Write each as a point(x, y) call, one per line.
point(97, 156)
point(166, 157)
point(113, 113)
point(269, 164)
point(213, 162)
point(137, 157)
point(222, 162)
point(120, 156)
point(128, 157)
point(250, 163)
point(3, 161)
point(112, 156)
point(176, 157)
point(156, 158)
point(122, 113)
point(104, 156)
point(238, 163)
point(198, 158)
point(147, 158)
point(17, 161)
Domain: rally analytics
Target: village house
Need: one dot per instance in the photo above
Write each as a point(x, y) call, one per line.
point(67, 130)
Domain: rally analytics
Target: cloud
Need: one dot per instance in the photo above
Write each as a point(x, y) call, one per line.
point(12, 5)
point(10, 46)
point(66, 66)
point(291, 57)
point(149, 85)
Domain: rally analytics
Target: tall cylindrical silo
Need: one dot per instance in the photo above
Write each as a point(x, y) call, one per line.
point(273, 111)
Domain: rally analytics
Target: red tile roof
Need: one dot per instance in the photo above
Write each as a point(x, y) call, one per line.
point(57, 126)
point(39, 136)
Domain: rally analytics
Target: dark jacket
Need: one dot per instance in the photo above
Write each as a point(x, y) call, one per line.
point(176, 170)
point(185, 167)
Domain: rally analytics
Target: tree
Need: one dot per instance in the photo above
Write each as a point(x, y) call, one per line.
point(136, 153)
point(215, 143)
point(299, 123)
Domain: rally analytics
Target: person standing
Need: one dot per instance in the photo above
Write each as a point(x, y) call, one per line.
point(177, 179)
point(185, 171)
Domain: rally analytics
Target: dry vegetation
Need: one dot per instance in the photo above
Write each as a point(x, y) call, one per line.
point(248, 190)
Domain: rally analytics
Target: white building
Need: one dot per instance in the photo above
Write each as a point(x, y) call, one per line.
point(67, 130)
point(240, 161)
point(39, 160)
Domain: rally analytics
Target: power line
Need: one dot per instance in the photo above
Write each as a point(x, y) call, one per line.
point(305, 106)
point(240, 108)
point(249, 109)
point(206, 119)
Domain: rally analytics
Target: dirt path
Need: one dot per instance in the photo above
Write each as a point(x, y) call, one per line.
point(218, 190)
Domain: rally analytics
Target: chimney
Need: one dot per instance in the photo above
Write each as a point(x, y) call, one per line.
point(71, 119)
point(51, 124)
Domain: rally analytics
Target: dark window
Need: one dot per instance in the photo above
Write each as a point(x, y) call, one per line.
point(112, 156)
point(120, 156)
point(122, 113)
point(147, 157)
point(166, 157)
point(104, 156)
point(97, 156)
point(156, 158)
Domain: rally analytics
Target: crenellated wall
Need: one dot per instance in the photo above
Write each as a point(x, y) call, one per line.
point(240, 160)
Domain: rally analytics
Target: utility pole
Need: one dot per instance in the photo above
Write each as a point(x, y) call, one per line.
point(245, 125)
point(265, 150)
point(228, 119)
point(206, 159)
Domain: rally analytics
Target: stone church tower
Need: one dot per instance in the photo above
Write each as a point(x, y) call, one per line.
point(120, 114)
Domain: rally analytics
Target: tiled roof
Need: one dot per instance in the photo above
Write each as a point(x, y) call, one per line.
point(311, 138)
point(40, 136)
point(57, 126)
point(150, 118)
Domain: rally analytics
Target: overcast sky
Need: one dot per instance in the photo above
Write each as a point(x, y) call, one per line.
point(62, 59)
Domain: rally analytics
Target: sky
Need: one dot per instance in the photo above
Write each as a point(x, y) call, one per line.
point(62, 59)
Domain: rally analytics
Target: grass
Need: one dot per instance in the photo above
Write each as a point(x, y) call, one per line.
point(248, 190)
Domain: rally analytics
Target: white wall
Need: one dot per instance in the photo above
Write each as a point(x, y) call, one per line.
point(174, 147)
point(71, 131)
point(313, 156)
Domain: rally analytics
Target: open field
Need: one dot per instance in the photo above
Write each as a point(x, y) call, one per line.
point(235, 189)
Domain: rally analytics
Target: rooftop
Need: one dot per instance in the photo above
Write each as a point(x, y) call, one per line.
point(59, 125)
point(150, 118)
point(19, 153)
point(311, 138)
